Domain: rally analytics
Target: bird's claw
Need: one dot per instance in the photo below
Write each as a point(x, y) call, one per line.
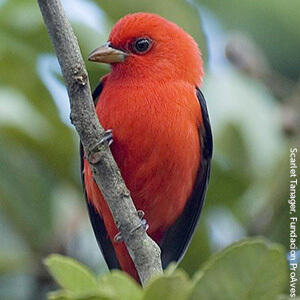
point(107, 137)
point(95, 154)
point(118, 238)
point(143, 223)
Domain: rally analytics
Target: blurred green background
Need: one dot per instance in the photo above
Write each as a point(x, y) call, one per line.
point(251, 52)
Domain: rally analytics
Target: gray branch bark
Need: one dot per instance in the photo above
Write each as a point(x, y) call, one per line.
point(144, 252)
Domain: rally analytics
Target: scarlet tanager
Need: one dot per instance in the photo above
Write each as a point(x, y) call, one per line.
point(162, 139)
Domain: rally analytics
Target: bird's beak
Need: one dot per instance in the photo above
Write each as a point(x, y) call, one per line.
point(107, 54)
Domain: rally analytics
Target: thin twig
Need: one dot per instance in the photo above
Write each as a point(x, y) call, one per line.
point(144, 252)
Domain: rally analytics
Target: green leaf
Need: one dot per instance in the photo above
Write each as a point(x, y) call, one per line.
point(64, 295)
point(171, 269)
point(71, 275)
point(251, 269)
point(59, 295)
point(119, 285)
point(113, 286)
point(169, 287)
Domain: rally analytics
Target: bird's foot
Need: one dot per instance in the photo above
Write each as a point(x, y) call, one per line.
point(107, 137)
point(95, 154)
point(118, 238)
point(143, 224)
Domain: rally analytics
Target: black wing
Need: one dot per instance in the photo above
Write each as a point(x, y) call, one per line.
point(178, 237)
point(98, 225)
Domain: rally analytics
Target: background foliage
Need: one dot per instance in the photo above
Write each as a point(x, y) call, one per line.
point(251, 51)
point(262, 277)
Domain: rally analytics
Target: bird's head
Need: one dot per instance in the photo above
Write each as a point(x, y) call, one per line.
point(144, 45)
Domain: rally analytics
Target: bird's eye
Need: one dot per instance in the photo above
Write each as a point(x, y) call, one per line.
point(141, 45)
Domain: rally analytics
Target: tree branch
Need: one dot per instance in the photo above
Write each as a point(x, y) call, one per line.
point(144, 252)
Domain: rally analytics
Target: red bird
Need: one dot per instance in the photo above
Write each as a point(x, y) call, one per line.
point(162, 139)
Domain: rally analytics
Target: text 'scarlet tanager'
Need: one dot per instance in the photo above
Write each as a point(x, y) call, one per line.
point(162, 138)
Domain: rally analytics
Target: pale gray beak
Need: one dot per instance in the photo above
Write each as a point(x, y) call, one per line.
point(107, 54)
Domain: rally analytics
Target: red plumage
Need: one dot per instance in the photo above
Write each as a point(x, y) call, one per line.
point(150, 102)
